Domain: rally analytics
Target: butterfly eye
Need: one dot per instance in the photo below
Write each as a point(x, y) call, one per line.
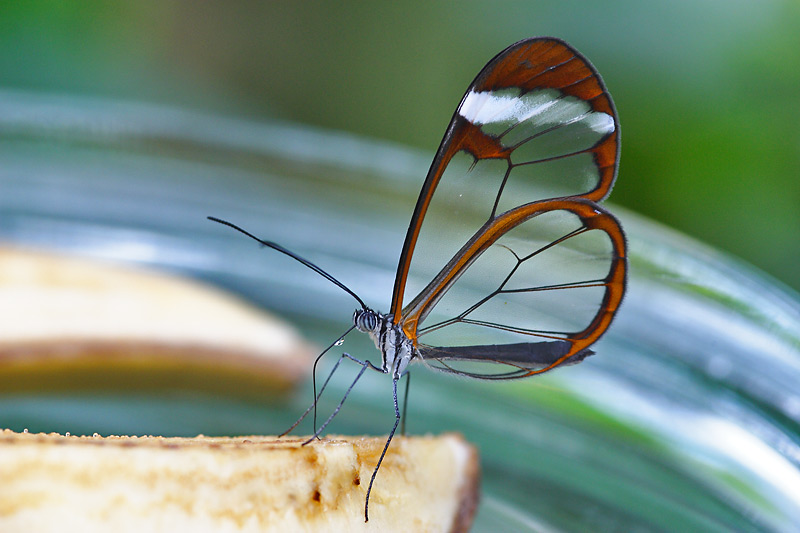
point(365, 320)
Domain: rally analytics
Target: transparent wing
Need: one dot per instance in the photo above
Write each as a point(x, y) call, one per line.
point(532, 290)
point(536, 123)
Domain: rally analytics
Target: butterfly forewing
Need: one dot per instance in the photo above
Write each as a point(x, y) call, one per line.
point(535, 126)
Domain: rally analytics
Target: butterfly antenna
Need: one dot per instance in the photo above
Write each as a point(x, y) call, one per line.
point(306, 262)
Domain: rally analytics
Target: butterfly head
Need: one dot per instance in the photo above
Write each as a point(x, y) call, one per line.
point(366, 320)
point(396, 348)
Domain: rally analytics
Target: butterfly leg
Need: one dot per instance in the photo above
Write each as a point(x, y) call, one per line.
point(313, 406)
point(316, 399)
point(364, 366)
point(385, 447)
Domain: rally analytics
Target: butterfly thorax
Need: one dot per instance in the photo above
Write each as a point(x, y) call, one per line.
point(397, 350)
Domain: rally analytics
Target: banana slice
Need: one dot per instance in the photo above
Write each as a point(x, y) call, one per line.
point(69, 323)
point(242, 484)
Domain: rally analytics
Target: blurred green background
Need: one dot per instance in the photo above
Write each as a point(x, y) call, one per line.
point(707, 91)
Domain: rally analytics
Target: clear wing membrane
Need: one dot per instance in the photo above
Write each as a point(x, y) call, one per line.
point(537, 296)
point(526, 269)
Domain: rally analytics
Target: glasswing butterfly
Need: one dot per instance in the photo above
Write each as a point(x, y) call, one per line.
point(512, 266)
